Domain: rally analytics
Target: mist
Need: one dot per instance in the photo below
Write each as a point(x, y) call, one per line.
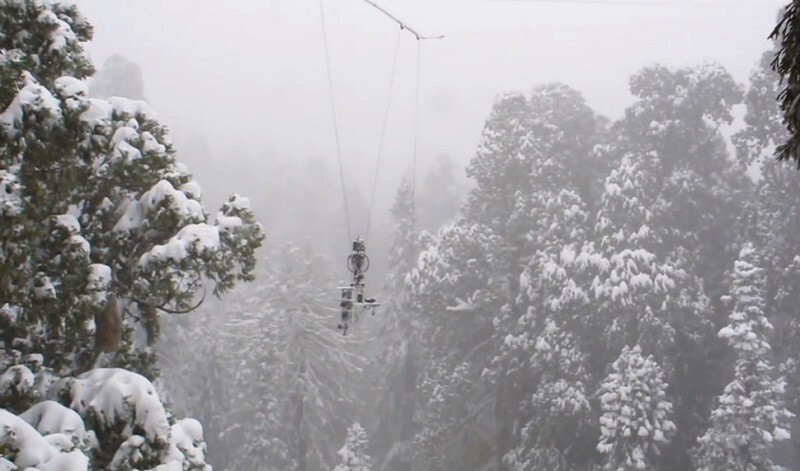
point(548, 235)
point(248, 78)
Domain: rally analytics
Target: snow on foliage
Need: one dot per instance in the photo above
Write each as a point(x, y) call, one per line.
point(10, 199)
point(354, 452)
point(125, 202)
point(194, 239)
point(50, 417)
point(88, 188)
point(31, 99)
point(636, 415)
point(267, 371)
point(113, 396)
point(119, 407)
point(29, 449)
point(645, 294)
point(456, 265)
point(750, 415)
point(559, 407)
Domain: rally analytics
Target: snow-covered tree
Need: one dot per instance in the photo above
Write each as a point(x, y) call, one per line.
point(787, 35)
point(103, 233)
point(449, 436)
point(404, 250)
point(106, 418)
point(750, 415)
point(771, 221)
point(282, 382)
point(555, 434)
point(322, 366)
point(636, 414)
point(399, 350)
point(195, 364)
point(98, 214)
point(354, 452)
point(538, 352)
point(457, 287)
point(458, 284)
point(693, 195)
point(569, 131)
point(764, 129)
point(677, 116)
point(500, 168)
point(553, 168)
point(642, 296)
point(225, 366)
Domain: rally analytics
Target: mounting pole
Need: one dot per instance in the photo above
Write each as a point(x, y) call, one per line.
point(411, 30)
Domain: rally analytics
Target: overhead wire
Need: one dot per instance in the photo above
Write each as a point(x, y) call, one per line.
point(383, 133)
point(400, 22)
point(335, 119)
point(328, 68)
point(416, 139)
point(419, 38)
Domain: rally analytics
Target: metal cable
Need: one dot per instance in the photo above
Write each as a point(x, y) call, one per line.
point(416, 140)
point(383, 134)
point(335, 119)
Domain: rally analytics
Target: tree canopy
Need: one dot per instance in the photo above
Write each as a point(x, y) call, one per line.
point(103, 232)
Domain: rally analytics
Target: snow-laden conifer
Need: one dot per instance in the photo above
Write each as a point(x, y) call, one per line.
point(501, 164)
point(400, 355)
point(103, 232)
point(354, 452)
point(771, 221)
point(636, 420)
point(695, 196)
point(750, 415)
point(558, 409)
point(96, 206)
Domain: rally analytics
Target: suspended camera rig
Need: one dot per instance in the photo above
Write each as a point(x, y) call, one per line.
point(353, 301)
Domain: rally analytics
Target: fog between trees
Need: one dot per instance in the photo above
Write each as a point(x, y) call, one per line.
point(578, 291)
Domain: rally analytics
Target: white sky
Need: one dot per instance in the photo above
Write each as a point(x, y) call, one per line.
point(249, 75)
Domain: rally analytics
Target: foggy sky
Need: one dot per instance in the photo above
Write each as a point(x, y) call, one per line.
point(248, 76)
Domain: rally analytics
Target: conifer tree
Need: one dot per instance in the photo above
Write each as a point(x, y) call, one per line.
point(559, 410)
point(636, 415)
point(354, 452)
point(323, 366)
point(96, 207)
point(195, 360)
point(445, 440)
point(501, 165)
point(642, 297)
point(458, 287)
point(695, 196)
point(103, 232)
point(399, 360)
point(255, 425)
point(548, 222)
point(404, 251)
point(283, 382)
point(787, 35)
point(227, 368)
point(750, 415)
point(677, 116)
point(771, 221)
point(539, 351)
